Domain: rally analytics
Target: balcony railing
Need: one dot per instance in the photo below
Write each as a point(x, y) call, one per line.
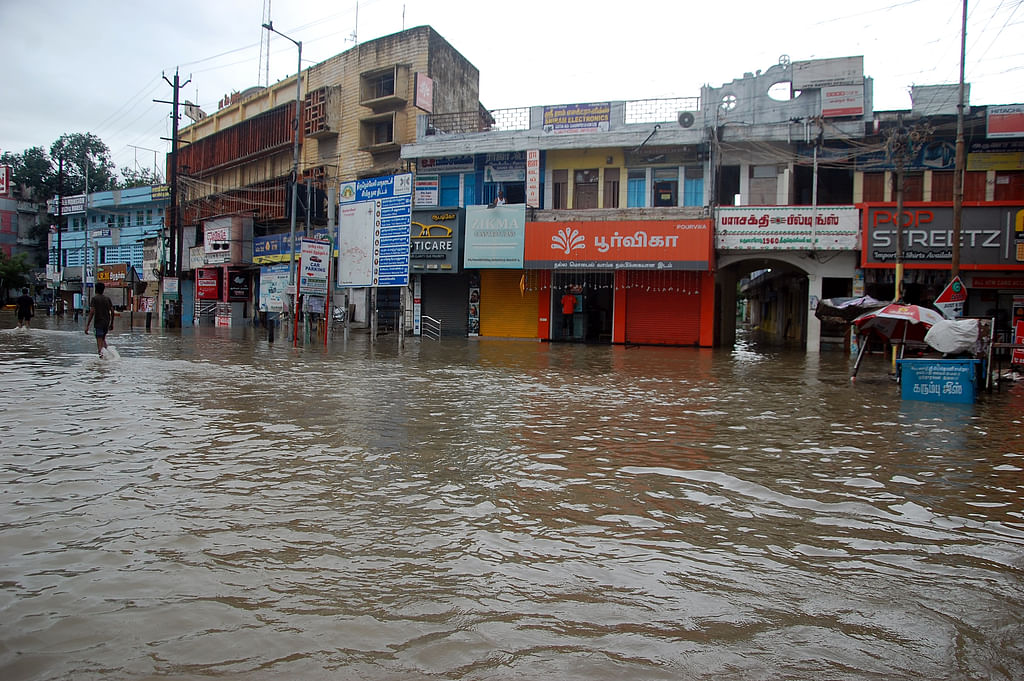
point(638, 111)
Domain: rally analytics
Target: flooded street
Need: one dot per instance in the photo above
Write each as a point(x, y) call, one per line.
point(211, 505)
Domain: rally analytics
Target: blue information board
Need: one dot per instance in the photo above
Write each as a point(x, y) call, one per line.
point(374, 231)
point(939, 380)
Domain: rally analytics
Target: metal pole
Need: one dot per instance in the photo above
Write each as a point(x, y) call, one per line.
point(85, 239)
point(958, 172)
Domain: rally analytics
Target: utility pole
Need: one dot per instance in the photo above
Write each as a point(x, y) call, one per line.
point(958, 172)
point(175, 214)
point(60, 228)
point(898, 147)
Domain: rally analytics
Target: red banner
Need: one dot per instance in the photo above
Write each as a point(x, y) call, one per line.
point(208, 284)
point(625, 244)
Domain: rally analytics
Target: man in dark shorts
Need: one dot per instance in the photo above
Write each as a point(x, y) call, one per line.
point(26, 308)
point(101, 313)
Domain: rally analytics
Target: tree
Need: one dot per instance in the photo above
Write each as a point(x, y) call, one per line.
point(82, 152)
point(13, 272)
point(32, 168)
point(142, 177)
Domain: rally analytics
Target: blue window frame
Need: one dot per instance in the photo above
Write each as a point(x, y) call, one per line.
point(449, 190)
point(637, 190)
point(693, 192)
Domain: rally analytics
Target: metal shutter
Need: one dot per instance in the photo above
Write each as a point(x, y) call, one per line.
point(505, 311)
point(446, 297)
point(660, 311)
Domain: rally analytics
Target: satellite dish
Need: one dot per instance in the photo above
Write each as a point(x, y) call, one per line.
point(686, 119)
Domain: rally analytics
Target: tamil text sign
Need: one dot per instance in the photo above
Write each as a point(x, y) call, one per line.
point(624, 245)
point(786, 228)
point(373, 232)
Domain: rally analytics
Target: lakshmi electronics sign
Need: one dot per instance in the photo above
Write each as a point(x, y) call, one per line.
point(991, 236)
point(625, 245)
point(825, 228)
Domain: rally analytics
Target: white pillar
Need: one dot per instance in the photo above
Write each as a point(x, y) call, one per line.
point(813, 323)
point(744, 184)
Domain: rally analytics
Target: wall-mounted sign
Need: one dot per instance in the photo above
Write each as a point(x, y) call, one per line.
point(575, 118)
point(757, 228)
point(1005, 121)
point(435, 241)
point(495, 236)
point(533, 178)
point(624, 245)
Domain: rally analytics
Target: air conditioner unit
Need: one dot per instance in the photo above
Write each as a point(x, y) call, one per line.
point(687, 119)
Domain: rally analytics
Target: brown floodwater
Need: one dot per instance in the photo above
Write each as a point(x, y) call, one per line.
point(212, 505)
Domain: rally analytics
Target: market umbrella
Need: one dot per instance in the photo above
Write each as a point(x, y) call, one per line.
point(895, 320)
point(846, 309)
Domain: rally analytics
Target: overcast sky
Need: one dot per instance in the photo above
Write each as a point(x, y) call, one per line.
point(97, 66)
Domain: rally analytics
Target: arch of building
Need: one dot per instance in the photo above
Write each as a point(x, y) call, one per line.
point(785, 297)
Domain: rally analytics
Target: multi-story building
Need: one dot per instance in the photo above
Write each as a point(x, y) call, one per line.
point(21, 219)
point(104, 237)
point(357, 110)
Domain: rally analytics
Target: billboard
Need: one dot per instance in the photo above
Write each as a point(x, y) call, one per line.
point(785, 228)
point(374, 231)
point(576, 118)
point(495, 236)
point(1005, 121)
point(822, 73)
point(435, 241)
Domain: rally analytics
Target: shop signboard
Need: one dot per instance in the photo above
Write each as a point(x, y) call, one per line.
point(435, 241)
point(495, 236)
point(787, 228)
point(207, 283)
point(1005, 121)
point(577, 118)
point(112, 275)
point(238, 284)
point(374, 231)
point(273, 283)
point(623, 245)
point(991, 236)
point(533, 178)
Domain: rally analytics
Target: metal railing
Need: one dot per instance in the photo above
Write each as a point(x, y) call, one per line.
point(430, 328)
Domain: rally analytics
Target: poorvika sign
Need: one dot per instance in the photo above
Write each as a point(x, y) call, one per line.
point(780, 229)
point(625, 245)
point(990, 236)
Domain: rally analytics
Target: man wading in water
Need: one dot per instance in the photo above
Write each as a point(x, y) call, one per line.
point(101, 313)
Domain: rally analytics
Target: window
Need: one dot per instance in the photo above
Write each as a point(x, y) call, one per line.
point(469, 190)
point(149, 216)
point(584, 193)
point(560, 180)
point(382, 85)
point(120, 220)
point(611, 187)
point(874, 187)
point(666, 186)
point(693, 186)
point(377, 131)
point(636, 188)
point(449, 190)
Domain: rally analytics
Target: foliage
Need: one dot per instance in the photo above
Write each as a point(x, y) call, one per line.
point(85, 159)
point(143, 177)
point(13, 272)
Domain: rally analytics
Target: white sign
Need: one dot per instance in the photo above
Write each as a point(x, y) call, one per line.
point(217, 245)
point(273, 284)
point(316, 257)
point(5, 179)
point(842, 100)
point(822, 73)
point(426, 190)
point(533, 178)
point(757, 228)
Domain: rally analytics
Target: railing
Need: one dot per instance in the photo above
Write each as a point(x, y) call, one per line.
point(637, 111)
point(430, 328)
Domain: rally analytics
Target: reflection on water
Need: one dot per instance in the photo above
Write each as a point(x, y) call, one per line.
point(215, 506)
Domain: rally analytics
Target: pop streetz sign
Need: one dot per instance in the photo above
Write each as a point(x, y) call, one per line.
point(780, 229)
point(988, 236)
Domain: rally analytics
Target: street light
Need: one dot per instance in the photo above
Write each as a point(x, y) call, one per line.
point(295, 160)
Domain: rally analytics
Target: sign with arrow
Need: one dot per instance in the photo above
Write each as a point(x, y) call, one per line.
point(951, 301)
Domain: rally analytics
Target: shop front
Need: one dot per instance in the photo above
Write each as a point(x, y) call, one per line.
point(991, 255)
point(635, 282)
point(441, 289)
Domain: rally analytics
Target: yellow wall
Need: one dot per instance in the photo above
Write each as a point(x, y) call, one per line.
point(588, 159)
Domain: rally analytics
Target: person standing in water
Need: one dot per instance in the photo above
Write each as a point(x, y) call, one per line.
point(101, 314)
point(26, 308)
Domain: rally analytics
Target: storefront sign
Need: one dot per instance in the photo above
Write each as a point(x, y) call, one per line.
point(446, 164)
point(426, 190)
point(574, 118)
point(217, 244)
point(825, 228)
point(991, 237)
point(435, 241)
point(505, 167)
point(1005, 121)
point(374, 231)
point(495, 237)
point(277, 247)
point(533, 178)
point(112, 276)
point(625, 245)
point(238, 285)
point(842, 100)
point(207, 283)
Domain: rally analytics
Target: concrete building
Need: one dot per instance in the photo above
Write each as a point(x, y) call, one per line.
point(357, 110)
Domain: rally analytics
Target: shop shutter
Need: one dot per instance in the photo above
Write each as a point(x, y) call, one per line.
point(446, 297)
point(661, 311)
point(505, 311)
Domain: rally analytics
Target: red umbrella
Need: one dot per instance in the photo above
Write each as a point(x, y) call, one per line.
point(897, 320)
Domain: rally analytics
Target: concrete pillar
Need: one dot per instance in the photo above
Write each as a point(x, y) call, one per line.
point(744, 184)
point(813, 323)
point(726, 285)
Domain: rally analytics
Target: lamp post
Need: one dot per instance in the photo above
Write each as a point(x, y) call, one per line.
point(295, 159)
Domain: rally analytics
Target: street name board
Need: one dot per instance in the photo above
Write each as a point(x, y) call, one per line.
point(374, 231)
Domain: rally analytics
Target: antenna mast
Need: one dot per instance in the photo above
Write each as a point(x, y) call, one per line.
point(263, 70)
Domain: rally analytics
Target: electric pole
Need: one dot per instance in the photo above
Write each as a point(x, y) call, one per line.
point(176, 240)
point(958, 172)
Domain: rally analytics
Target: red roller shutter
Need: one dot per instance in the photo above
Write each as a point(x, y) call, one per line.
point(661, 310)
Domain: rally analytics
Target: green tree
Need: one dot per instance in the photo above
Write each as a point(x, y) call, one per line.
point(32, 168)
point(82, 153)
point(142, 177)
point(13, 272)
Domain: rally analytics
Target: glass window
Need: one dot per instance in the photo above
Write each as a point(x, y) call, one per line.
point(449, 190)
point(469, 189)
point(637, 188)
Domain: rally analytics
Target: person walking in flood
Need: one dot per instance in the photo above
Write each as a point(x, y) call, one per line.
point(26, 308)
point(101, 314)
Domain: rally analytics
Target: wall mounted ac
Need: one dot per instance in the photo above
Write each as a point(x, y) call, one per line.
point(686, 119)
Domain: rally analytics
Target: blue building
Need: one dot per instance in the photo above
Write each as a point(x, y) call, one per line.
point(105, 228)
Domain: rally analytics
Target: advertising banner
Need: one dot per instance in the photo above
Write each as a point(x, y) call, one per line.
point(426, 190)
point(575, 118)
point(238, 284)
point(435, 241)
point(112, 276)
point(1005, 121)
point(533, 178)
point(273, 284)
point(374, 231)
point(446, 164)
point(207, 283)
point(991, 236)
point(314, 261)
point(624, 245)
point(505, 167)
point(787, 228)
point(495, 237)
